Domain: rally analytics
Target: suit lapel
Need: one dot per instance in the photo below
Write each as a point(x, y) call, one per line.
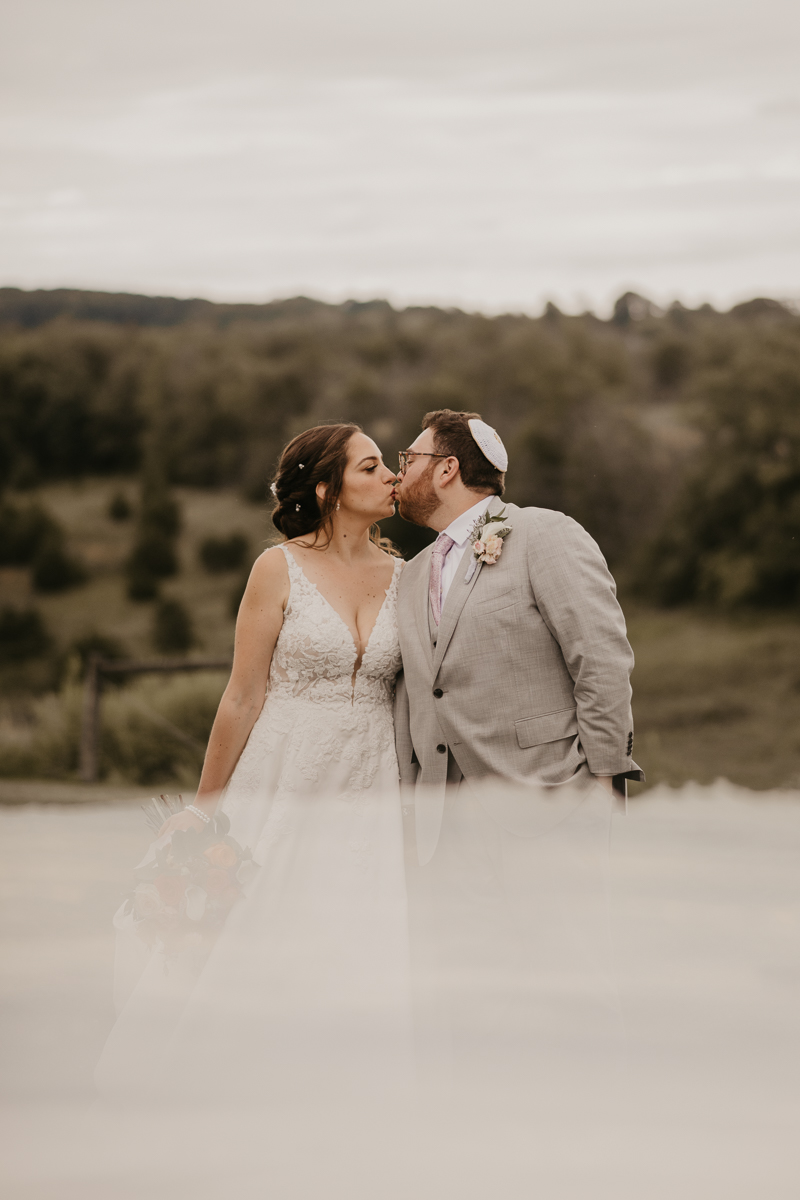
point(457, 596)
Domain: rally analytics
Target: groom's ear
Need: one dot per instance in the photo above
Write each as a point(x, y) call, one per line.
point(451, 468)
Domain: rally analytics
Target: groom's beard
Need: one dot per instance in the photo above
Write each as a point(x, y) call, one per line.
point(418, 502)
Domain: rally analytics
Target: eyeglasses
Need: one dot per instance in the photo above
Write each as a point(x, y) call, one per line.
point(407, 456)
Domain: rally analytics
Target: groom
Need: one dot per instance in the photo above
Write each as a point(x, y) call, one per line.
point(516, 664)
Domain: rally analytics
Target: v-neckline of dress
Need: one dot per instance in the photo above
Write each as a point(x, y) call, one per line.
point(341, 619)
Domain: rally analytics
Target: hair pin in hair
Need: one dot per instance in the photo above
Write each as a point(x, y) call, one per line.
point(273, 487)
point(297, 508)
point(300, 466)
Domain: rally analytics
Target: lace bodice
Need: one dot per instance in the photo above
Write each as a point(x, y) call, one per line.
point(321, 729)
point(315, 655)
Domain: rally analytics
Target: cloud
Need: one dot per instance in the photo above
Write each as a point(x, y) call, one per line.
point(490, 179)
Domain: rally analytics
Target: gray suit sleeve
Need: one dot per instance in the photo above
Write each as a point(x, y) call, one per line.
point(576, 596)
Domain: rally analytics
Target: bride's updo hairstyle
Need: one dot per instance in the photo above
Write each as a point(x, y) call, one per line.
point(317, 456)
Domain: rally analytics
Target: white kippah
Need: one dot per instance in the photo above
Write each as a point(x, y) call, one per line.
point(489, 442)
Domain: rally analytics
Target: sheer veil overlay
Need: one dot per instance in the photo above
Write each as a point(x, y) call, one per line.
point(306, 989)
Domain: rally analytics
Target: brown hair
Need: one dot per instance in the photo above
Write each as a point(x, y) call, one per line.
point(451, 435)
point(317, 456)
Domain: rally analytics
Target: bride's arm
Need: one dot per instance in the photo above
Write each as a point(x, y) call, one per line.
point(257, 628)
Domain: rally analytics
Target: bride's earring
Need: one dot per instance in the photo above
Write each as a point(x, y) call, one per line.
point(337, 505)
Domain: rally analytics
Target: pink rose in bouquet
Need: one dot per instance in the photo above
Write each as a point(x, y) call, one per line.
point(221, 855)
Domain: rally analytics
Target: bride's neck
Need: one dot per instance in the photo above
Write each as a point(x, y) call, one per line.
point(349, 540)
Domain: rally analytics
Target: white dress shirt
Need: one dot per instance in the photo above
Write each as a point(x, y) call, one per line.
point(459, 531)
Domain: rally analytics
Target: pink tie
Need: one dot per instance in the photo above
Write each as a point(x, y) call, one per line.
point(441, 549)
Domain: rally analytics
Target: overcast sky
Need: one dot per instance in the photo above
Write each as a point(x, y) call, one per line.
point(490, 155)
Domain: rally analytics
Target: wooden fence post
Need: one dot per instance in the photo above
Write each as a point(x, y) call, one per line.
point(96, 668)
point(90, 723)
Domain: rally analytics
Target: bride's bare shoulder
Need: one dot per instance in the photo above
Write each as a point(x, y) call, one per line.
point(271, 559)
point(270, 572)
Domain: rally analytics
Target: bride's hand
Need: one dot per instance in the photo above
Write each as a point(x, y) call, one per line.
point(182, 820)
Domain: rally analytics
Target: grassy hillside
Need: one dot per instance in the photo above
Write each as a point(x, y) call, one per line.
point(103, 544)
point(716, 696)
point(153, 728)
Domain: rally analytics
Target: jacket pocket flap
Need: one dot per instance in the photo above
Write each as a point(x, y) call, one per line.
point(549, 727)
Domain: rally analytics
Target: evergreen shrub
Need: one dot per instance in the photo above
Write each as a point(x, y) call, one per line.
point(160, 513)
point(154, 554)
point(141, 585)
point(119, 507)
point(153, 558)
point(24, 532)
point(220, 554)
point(172, 627)
point(237, 594)
point(23, 634)
point(54, 570)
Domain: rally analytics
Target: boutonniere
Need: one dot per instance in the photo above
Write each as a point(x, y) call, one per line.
point(487, 536)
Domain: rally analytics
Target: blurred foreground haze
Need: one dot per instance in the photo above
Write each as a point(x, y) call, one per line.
point(702, 923)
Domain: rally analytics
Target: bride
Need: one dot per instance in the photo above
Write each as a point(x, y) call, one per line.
point(307, 985)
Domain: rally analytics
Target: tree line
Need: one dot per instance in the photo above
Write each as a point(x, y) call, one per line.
point(672, 436)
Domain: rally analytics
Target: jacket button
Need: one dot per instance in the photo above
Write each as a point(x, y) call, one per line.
point(442, 748)
point(438, 693)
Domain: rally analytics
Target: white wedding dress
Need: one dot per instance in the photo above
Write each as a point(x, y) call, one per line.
point(306, 989)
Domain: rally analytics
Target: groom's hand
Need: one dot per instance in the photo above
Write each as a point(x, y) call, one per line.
point(606, 781)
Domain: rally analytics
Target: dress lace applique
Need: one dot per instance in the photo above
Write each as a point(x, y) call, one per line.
point(321, 729)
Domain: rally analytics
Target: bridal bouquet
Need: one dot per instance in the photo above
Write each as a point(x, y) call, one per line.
point(184, 893)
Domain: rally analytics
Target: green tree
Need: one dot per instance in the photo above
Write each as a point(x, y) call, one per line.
point(734, 535)
point(55, 570)
point(154, 554)
point(23, 634)
point(173, 631)
point(221, 554)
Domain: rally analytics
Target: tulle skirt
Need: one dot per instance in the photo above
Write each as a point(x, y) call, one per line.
point(306, 989)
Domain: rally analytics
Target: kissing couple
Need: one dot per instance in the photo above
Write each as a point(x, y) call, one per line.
point(364, 687)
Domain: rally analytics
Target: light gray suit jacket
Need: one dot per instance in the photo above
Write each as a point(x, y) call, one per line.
point(527, 676)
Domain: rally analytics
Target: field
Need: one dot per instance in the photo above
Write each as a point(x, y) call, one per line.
point(103, 544)
point(714, 696)
point(38, 729)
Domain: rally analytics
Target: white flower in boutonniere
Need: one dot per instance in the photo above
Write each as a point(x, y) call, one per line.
point(487, 536)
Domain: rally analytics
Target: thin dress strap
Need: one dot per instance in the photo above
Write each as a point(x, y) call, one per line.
point(296, 573)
